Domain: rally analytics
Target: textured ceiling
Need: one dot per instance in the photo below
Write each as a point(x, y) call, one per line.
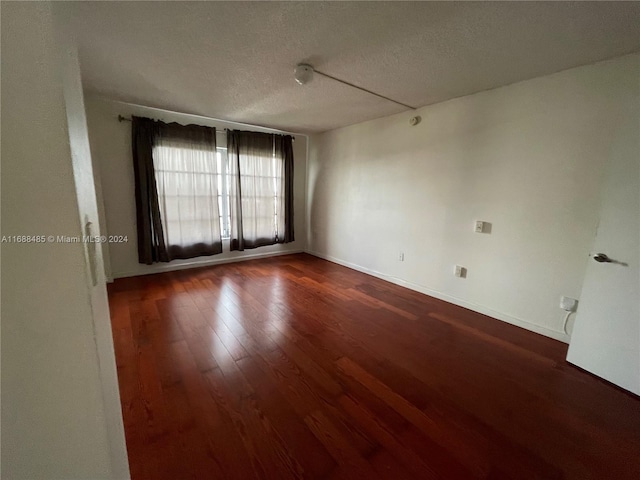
point(235, 60)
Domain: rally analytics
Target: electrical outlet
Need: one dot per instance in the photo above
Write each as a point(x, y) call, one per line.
point(479, 227)
point(460, 271)
point(401, 257)
point(568, 304)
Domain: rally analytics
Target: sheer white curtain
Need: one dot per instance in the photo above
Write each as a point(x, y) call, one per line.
point(257, 189)
point(187, 178)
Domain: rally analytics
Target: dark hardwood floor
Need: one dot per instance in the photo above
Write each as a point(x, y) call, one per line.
point(294, 367)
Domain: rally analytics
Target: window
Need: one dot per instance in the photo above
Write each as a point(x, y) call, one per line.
point(188, 178)
point(261, 187)
point(260, 195)
point(191, 193)
point(183, 173)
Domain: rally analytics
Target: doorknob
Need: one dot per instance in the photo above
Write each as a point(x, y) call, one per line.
point(601, 258)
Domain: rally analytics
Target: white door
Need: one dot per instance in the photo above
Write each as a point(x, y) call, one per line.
point(606, 334)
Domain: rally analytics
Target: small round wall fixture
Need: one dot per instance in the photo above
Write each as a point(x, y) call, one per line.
point(413, 121)
point(303, 73)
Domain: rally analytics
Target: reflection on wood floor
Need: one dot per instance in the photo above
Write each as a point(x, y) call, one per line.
point(295, 367)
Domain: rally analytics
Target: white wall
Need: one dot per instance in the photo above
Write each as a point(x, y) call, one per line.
point(529, 158)
point(54, 417)
point(111, 147)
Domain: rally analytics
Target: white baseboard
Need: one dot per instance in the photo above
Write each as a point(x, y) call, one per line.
point(547, 332)
point(202, 263)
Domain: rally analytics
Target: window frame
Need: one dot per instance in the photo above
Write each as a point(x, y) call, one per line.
point(223, 203)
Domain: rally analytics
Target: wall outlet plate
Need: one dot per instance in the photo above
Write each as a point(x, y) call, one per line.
point(568, 304)
point(479, 226)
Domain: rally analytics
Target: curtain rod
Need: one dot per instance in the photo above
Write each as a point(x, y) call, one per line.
point(122, 118)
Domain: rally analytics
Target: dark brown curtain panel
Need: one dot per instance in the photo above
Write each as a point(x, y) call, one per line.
point(261, 189)
point(284, 149)
point(151, 246)
point(177, 178)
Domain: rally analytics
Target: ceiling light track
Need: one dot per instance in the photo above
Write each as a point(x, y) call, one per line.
point(304, 74)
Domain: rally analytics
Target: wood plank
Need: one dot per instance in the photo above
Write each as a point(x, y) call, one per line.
point(295, 367)
point(342, 451)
